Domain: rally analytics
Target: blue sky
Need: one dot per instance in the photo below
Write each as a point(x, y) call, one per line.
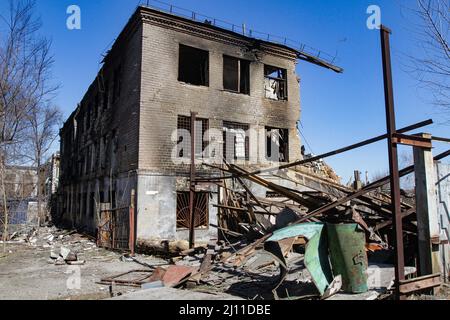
point(337, 109)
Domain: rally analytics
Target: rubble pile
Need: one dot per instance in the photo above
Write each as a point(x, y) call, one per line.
point(309, 238)
point(63, 246)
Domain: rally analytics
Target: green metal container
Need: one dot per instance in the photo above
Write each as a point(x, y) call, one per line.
point(348, 256)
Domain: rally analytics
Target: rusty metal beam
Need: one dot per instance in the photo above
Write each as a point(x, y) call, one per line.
point(132, 237)
point(385, 224)
point(272, 186)
point(370, 187)
point(440, 139)
point(414, 141)
point(393, 159)
point(192, 185)
point(324, 155)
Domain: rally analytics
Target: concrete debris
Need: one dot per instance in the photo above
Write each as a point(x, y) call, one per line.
point(76, 262)
point(64, 252)
point(60, 261)
point(286, 245)
point(54, 255)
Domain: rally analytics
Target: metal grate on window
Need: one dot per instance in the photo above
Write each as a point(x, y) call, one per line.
point(201, 127)
point(236, 144)
point(201, 210)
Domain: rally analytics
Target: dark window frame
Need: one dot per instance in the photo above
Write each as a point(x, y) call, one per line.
point(187, 72)
point(236, 126)
point(280, 79)
point(283, 148)
point(241, 77)
point(184, 123)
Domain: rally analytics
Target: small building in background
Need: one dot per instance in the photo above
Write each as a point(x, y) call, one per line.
point(21, 195)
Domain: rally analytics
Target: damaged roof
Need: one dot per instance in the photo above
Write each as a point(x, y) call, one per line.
point(247, 36)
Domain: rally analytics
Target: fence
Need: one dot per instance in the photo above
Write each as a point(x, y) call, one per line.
point(114, 229)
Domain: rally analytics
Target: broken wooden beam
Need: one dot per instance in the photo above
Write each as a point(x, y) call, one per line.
point(366, 189)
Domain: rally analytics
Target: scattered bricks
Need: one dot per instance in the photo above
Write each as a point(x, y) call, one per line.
point(54, 255)
point(64, 252)
point(68, 255)
point(60, 261)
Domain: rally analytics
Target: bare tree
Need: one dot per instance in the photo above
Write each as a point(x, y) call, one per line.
point(44, 122)
point(430, 62)
point(25, 80)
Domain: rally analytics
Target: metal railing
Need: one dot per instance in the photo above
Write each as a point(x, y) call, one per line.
point(240, 29)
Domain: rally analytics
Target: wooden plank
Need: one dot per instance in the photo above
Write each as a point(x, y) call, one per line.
point(421, 283)
point(229, 207)
point(414, 141)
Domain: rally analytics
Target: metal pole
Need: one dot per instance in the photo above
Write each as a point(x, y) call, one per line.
point(132, 239)
point(192, 184)
point(393, 160)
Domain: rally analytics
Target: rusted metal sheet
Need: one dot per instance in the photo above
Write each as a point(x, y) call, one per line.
point(157, 275)
point(176, 274)
point(141, 277)
point(347, 243)
point(104, 233)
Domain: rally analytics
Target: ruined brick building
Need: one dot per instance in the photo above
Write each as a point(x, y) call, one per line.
point(123, 134)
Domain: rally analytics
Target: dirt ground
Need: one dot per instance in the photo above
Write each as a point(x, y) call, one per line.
point(28, 273)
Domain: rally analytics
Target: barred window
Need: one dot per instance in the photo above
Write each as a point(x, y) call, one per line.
point(201, 141)
point(277, 146)
point(236, 144)
point(201, 210)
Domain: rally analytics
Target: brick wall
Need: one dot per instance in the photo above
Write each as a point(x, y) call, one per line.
point(163, 97)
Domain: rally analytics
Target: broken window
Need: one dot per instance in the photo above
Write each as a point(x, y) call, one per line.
point(193, 66)
point(275, 83)
point(201, 213)
point(277, 144)
point(236, 75)
point(236, 141)
point(201, 142)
